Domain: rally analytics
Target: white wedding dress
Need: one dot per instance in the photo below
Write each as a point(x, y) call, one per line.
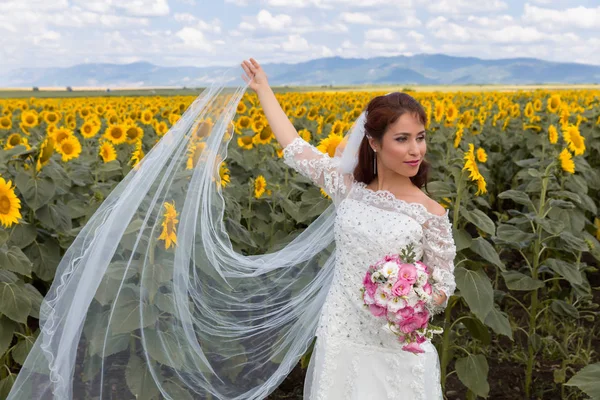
point(355, 357)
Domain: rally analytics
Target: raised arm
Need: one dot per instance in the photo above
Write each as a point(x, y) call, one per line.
point(302, 156)
point(282, 127)
point(439, 252)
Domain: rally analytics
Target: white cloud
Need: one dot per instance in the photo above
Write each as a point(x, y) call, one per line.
point(356, 18)
point(240, 3)
point(273, 22)
point(463, 6)
point(295, 44)
point(194, 38)
point(385, 35)
point(186, 18)
point(580, 17)
point(491, 22)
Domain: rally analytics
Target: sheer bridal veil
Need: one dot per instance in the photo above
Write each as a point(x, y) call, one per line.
point(151, 300)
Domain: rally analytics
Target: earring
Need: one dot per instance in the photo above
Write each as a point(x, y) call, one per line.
point(374, 162)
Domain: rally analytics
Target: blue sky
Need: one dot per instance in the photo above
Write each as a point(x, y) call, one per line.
point(58, 33)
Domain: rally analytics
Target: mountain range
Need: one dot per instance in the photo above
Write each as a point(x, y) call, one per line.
point(424, 69)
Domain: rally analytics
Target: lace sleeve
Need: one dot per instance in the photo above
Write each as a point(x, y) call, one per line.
point(319, 167)
point(439, 251)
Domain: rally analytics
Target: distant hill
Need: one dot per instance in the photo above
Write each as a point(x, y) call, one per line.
point(417, 69)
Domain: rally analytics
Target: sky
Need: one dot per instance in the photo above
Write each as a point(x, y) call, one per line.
point(61, 33)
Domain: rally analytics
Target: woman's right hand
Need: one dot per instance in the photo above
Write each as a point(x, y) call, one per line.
point(254, 75)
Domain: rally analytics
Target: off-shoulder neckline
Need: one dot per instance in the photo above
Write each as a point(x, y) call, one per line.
point(386, 194)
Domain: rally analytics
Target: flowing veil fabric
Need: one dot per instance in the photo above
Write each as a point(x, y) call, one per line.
point(129, 317)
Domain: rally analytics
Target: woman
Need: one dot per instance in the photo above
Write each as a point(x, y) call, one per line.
point(380, 206)
point(157, 296)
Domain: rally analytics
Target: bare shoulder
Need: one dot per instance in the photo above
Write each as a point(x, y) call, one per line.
point(433, 206)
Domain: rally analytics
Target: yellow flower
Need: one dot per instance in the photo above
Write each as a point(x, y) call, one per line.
point(135, 133)
point(46, 151)
point(224, 174)
point(60, 134)
point(107, 152)
point(10, 204)
point(552, 134)
point(5, 123)
point(241, 108)
point(529, 110)
point(575, 141)
point(169, 225)
point(566, 161)
point(116, 134)
point(245, 142)
point(299, 112)
point(195, 150)
point(329, 144)
point(471, 166)
point(173, 118)
point(69, 148)
point(537, 105)
point(89, 129)
point(597, 224)
point(258, 125)
point(14, 140)
point(459, 134)
point(29, 118)
point(305, 134)
point(481, 155)
point(481, 186)
point(264, 137)
point(51, 117)
point(137, 154)
point(243, 122)
point(147, 117)
point(439, 111)
point(553, 103)
point(260, 185)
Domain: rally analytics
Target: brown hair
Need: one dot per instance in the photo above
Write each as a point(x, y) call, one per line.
point(381, 112)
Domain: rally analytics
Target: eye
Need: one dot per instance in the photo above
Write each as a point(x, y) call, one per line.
point(421, 137)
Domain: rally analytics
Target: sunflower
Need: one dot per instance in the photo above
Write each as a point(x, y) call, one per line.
point(260, 185)
point(5, 122)
point(537, 105)
point(60, 134)
point(173, 118)
point(305, 134)
point(300, 112)
point(241, 108)
point(451, 112)
point(146, 117)
point(553, 103)
point(246, 142)
point(459, 134)
point(338, 128)
point(10, 204)
point(89, 129)
point(243, 123)
point(107, 152)
point(264, 137)
point(116, 134)
point(566, 161)
point(29, 118)
point(575, 141)
point(313, 113)
point(481, 155)
point(46, 151)
point(69, 148)
point(170, 221)
point(224, 174)
point(135, 133)
point(13, 140)
point(552, 134)
point(329, 144)
point(439, 111)
point(258, 125)
point(194, 152)
point(161, 128)
point(137, 154)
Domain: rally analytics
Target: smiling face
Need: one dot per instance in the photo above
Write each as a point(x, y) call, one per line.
point(403, 141)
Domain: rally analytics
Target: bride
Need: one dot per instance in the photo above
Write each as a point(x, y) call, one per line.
point(380, 206)
point(158, 298)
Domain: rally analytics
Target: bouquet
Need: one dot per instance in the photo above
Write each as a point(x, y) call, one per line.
point(398, 288)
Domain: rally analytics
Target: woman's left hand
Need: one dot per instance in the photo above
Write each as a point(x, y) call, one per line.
point(439, 297)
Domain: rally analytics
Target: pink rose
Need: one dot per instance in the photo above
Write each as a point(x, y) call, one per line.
point(413, 347)
point(369, 285)
point(420, 306)
point(401, 287)
point(411, 324)
point(377, 311)
point(406, 312)
point(408, 272)
point(427, 288)
point(423, 317)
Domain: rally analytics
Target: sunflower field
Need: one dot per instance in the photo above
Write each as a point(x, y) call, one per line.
point(519, 171)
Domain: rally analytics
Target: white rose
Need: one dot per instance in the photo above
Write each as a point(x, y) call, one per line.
point(389, 269)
